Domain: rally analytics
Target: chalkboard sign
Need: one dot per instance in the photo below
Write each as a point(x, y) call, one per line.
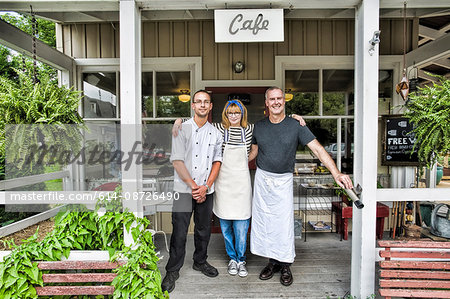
point(398, 142)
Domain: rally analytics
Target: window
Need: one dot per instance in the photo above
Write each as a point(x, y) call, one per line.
point(169, 86)
point(100, 95)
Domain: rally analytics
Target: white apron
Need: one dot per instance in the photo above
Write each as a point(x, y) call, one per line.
point(272, 228)
point(233, 189)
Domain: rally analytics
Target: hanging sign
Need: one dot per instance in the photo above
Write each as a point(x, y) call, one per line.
point(398, 142)
point(248, 25)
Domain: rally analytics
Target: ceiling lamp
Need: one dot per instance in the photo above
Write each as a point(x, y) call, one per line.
point(184, 96)
point(288, 95)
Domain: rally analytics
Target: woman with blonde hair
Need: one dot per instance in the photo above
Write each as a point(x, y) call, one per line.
point(233, 189)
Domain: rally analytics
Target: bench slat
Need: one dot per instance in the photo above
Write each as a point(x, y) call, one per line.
point(415, 274)
point(415, 265)
point(413, 244)
point(418, 284)
point(81, 277)
point(415, 254)
point(74, 290)
point(78, 265)
point(414, 293)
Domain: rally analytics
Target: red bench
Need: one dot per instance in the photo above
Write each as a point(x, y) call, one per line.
point(421, 272)
point(345, 213)
point(73, 266)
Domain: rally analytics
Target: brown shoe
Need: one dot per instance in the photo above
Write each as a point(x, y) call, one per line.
point(268, 271)
point(286, 278)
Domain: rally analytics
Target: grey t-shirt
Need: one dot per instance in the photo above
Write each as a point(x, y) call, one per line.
point(277, 143)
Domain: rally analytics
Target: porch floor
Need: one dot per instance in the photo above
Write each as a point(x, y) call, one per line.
point(321, 270)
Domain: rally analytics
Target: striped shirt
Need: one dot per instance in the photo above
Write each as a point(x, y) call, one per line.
point(236, 135)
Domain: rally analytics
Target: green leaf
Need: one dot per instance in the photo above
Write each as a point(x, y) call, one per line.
point(10, 281)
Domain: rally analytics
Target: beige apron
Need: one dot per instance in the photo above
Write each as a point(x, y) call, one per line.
point(233, 190)
point(272, 229)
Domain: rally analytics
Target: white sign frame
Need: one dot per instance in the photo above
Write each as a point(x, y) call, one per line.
point(248, 25)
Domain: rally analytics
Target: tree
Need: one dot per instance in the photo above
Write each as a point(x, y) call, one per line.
point(10, 60)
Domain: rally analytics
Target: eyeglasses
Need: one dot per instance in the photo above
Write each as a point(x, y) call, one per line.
point(234, 113)
point(202, 102)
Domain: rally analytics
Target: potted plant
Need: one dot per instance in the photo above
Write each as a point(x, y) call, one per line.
point(429, 111)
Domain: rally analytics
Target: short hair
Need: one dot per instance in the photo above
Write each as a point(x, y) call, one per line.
point(273, 88)
point(233, 108)
point(202, 91)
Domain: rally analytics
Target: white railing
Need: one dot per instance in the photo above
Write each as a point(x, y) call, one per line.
point(33, 179)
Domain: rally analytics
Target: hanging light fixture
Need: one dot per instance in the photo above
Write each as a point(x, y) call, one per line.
point(184, 96)
point(413, 81)
point(288, 95)
point(402, 87)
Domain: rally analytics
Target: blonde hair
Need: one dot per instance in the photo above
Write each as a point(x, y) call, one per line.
point(234, 108)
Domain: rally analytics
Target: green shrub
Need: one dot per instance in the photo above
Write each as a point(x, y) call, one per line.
point(79, 228)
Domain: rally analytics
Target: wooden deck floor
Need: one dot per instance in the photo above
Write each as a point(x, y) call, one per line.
point(321, 270)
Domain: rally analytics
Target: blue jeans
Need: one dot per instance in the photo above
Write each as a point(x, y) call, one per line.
point(235, 235)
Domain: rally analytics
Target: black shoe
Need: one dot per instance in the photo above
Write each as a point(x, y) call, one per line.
point(206, 269)
point(168, 283)
point(286, 278)
point(269, 270)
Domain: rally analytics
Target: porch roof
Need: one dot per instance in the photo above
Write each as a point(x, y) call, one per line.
point(434, 18)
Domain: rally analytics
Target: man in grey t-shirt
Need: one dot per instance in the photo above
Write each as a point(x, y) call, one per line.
point(275, 141)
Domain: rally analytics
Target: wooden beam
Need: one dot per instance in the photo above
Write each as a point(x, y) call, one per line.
point(27, 222)
point(82, 277)
point(130, 105)
point(59, 5)
point(77, 290)
point(78, 265)
point(33, 179)
point(365, 157)
point(21, 42)
point(431, 51)
point(413, 194)
point(430, 33)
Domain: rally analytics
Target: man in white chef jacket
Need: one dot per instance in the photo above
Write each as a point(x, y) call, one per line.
point(275, 142)
point(196, 156)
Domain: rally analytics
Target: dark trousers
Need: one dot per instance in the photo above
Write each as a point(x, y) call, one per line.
point(276, 262)
point(181, 217)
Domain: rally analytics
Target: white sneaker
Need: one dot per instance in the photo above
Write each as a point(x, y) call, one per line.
point(232, 267)
point(242, 270)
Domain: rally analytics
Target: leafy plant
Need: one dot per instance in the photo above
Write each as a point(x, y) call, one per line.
point(23, 102)
point(79, 228)
point(429, 111)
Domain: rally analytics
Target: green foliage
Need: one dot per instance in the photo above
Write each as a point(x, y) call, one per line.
point(79, 228)
point(45, 28)
point(429, 111)
point(45, 33)
point(24, 102)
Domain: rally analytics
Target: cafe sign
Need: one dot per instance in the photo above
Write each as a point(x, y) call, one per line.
point(248, 25)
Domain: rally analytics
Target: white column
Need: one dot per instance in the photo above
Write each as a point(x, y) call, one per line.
point(365, 159)
point(130, 103)
point(339, 143)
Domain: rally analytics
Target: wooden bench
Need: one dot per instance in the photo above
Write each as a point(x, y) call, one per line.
point(70, 278)
point(421, 269)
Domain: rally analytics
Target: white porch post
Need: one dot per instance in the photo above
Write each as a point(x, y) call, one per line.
point(365, 159)
point(130, 104)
